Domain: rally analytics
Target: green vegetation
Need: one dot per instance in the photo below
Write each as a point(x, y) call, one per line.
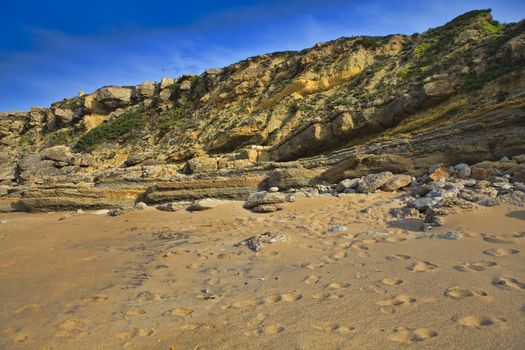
point(369, 42)
point(112, 130)
point(170, 120)
point(173, 87)
point(475, 82)
point(421, 49)
point(61, 137)
point(492, 28)
point(409, 73)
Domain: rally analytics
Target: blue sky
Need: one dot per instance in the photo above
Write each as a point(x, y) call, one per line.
point(53, 49)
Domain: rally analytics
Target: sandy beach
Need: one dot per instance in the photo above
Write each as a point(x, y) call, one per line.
point(159, 280)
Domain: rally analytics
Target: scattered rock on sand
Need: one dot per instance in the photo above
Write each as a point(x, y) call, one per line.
point(173, 206)
point(268, 208)
point(372, 182)
point(257, 242)
point(338, 228)
point(205, 204)
point(264, 198)
point(397, 182)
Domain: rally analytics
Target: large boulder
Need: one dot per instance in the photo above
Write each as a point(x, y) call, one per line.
point(372, 182)
point(397, 182)
point(205, 204)
point(287, 178)
point(114, 97)
point(263, 198)
point(200, 165)
point(64, 115)
point(57, 153)
point(364, 164)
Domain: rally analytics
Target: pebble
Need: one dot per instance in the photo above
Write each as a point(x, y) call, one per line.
point(338, 228)
point(273, 189)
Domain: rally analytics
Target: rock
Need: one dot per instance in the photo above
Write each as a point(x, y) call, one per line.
point(439, 88)
point(519, 176)
point(364, 164)
point(434, 217)
point(140, 206)
point(292, 178)
point(173, 206)
point(519, 186)
point(115, 212)
point(422, 204)
point(65, 116)
point(134, 159)
point(200, 165)
point(146, 89)
point(373, 234)
point(166, 82)
point(114, 97)
point(165, 94)
point(504, 159)
point(462, 170)
point(185, 85)
point(338, 228)
point(347, 184)
point(516, 198)
point(57, 153)
point(257, 242)
point(519, 158)
point(267, 208)
point(273, 189)
point(101, 212)
point(453, 236)
point(86, 160)
point(405, 213)
point(397, 182)
point(479, 173)
point(261, 198)
point(372, 182)
point(440, 172)
point(205, 204)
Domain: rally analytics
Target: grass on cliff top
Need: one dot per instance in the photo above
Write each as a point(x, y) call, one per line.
point(112, 130)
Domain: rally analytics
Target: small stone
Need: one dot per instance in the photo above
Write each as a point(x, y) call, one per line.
point(141, 206)
point(347, 184)
point(440, 235)
point(504, 159)
point(338, 228)
point(268, 208)
point(205, 204)
point(273, 189)
point(422, 204)
point(3, 221)
point(257, 242)
point(115, 212)
point(101, 212)
point(462, 170)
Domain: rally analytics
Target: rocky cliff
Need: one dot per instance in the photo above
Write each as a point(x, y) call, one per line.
point(341, 109)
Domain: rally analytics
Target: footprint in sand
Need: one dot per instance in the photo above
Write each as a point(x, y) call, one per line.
point(500, 252)
point(72, 330)
point(508, 283)
point(338, 285)
point(460, 293)
point(134, 311)
point(136, 332)
point(391, 281)
point(397, 300)
point(422, 266)
point(257, 320)
point(241, 304)
point(180, 312)
point(292, 296)
point(476, 267)
point(147, 296)
point(197, 325)
point(94, 299)
point(312, 279)
point(30, 307)
point(332, 327)
point(397, 257)
point(480, 321)
point(495, 240)
point(271, 329)
point(327, 296)
point(20, 338)
point(411, 335)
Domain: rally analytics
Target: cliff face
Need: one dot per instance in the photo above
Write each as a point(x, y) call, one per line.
point(349, 106)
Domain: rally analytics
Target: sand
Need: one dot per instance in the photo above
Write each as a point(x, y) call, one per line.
point(159, 280)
